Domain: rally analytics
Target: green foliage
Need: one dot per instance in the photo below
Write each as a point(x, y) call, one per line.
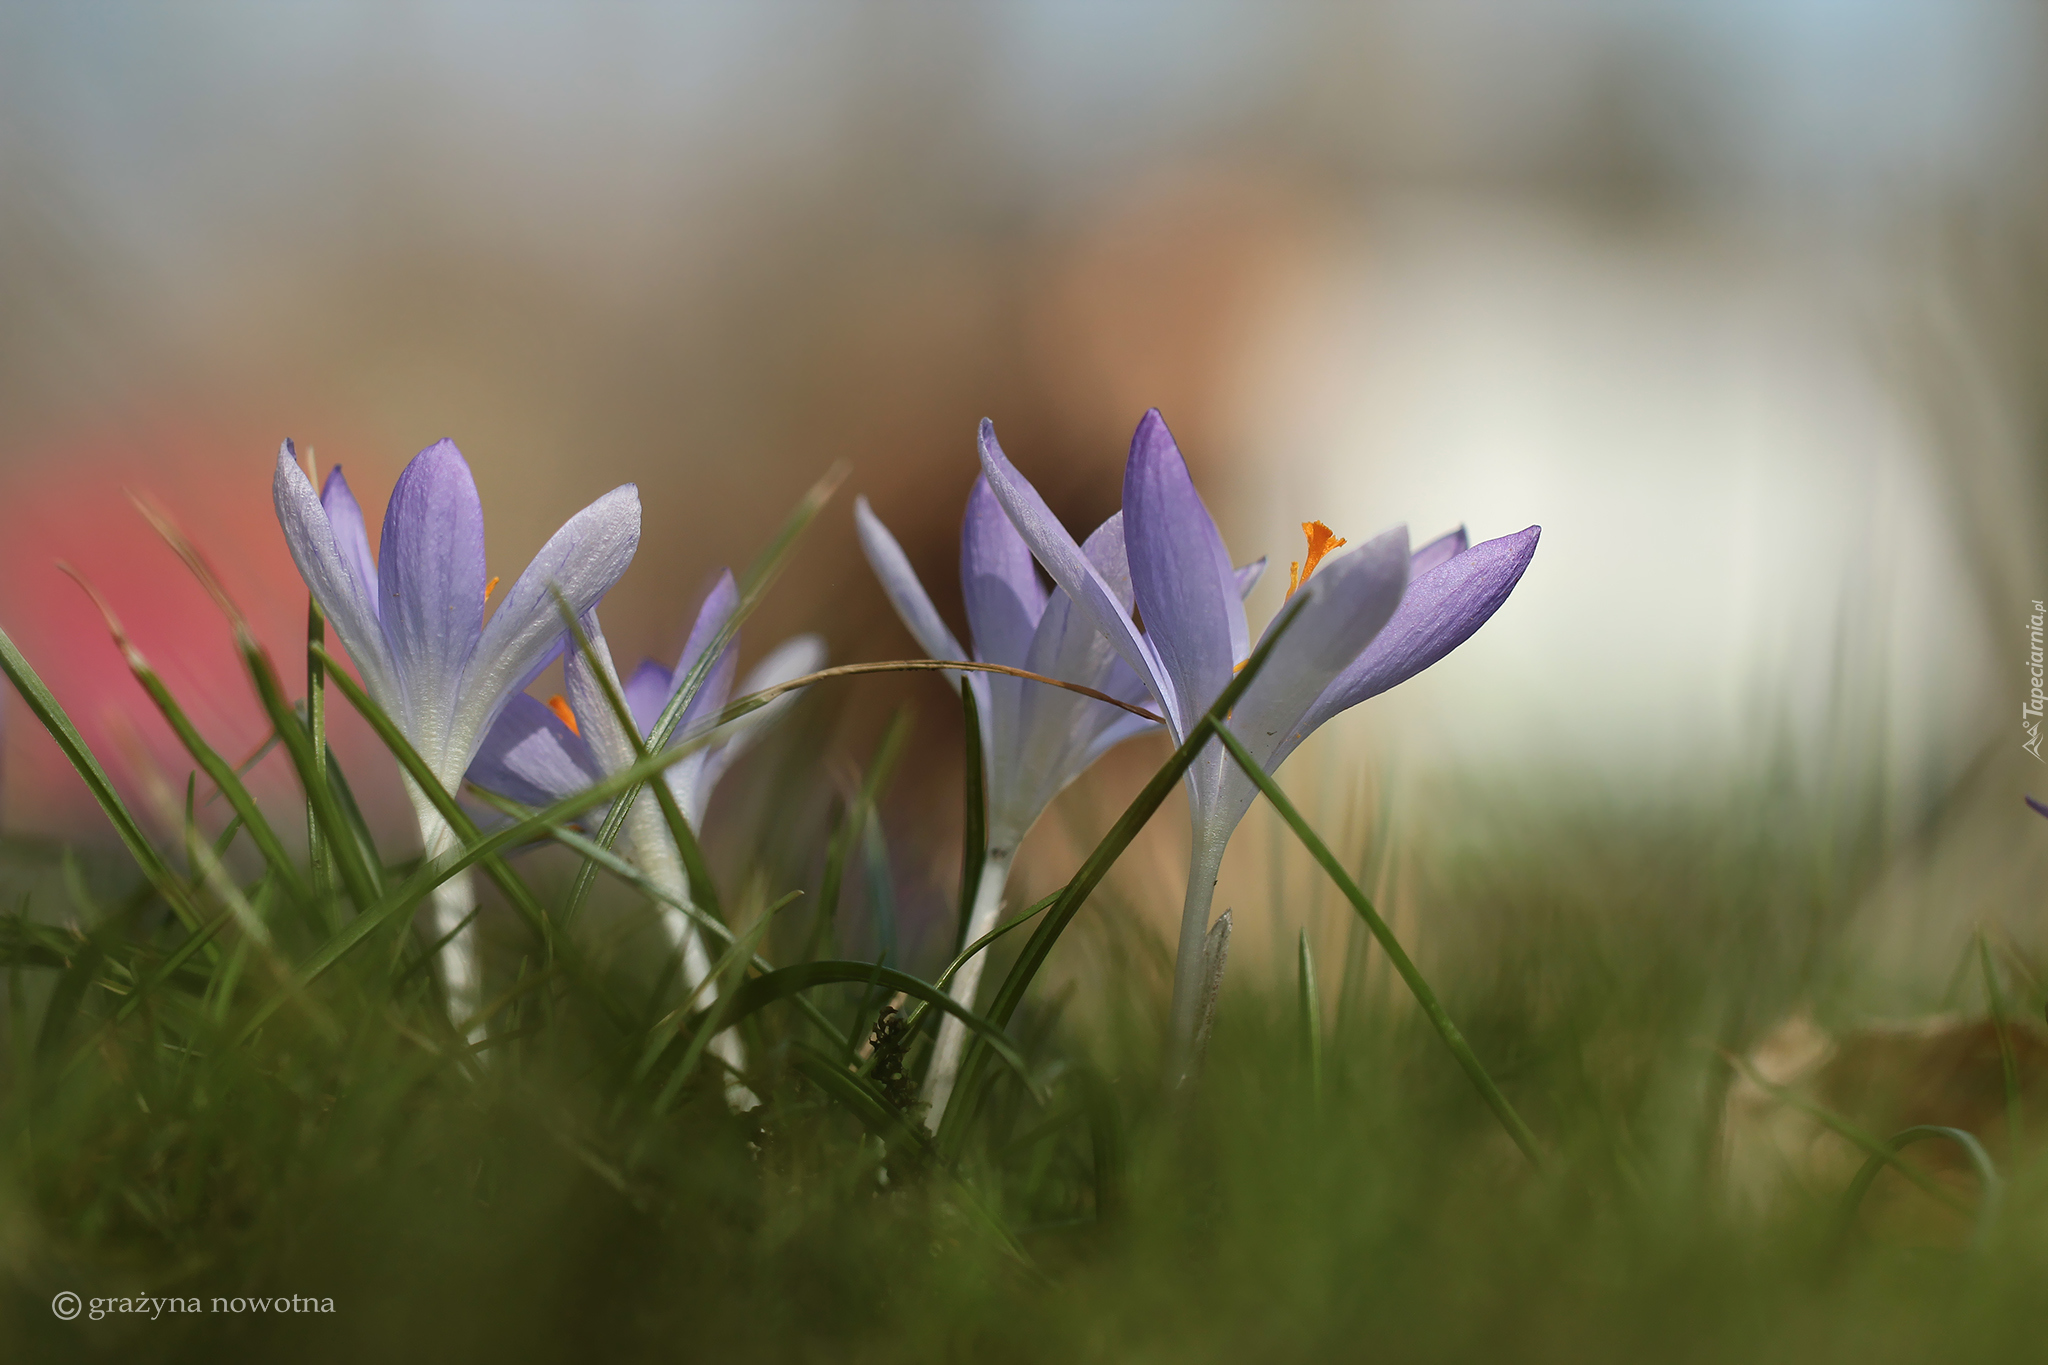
point(229, 1073)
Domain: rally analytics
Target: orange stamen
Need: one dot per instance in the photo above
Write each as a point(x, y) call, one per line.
point(560, 706)
point(1321, 540)
point(490, 585)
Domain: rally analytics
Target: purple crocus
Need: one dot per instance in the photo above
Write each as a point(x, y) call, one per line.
point(1374, 618)
point(539, 753)
point(412, 620)
point(1035, 739)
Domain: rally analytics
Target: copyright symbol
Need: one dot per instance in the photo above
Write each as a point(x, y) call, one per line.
point(65, 1305)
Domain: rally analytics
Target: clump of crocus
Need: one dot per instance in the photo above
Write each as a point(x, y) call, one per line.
point(540, 753)
point(1035, 739)
point(1373, 618)
point(413, 622)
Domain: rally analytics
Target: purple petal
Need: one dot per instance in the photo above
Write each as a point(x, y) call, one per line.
point(1070, 567)
point(1440, 611)
point(532, 757)
point(1438, 551)
point(647, 691)
point(584, 685)
point(998, 581)
point(1350, 600)
point(2039, 809)
point(583, 560)
point(1248, 576)
point(309, 535)
point(901, 584)
point(430, 584)
point(1106, 554)
point(346, 517)
point(1186, 589)
point(793, 658)
point(719, 605)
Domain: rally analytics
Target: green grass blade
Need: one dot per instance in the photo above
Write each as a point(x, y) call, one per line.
point(1433, 1008)
point(1309, 1010)
point(217, 769)
point(43, 705)
point(764, 991)
point(880, 770)
point(916, 1016)
point(702, 889)
point(1875, 1146)
point(858, 1096)
point(1990, 1188)
point(2007, 1058)
point(477, 848)
point(1105, 1142)
point(362, 887)
point(316, 731)
point(65, 1000)
point(1010, 994)
point(171, 965)
point(358, 827)
point(974, 835)
point(753, 585)
point(509, 882)
point(712, 1022)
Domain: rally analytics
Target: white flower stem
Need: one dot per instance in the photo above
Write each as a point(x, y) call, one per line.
point(663, 864)
point(1205, 859)
point(946, 1054)
point(454, 900)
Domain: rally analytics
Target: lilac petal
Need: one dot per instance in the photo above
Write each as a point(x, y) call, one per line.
point(900, 582)
point(719, 605)
point(2038, 808)
point(1106, 554)
point(793, 658)
point(532, 757)
point(346, 517)
point(1248, 576)
point(1438, 551)
point(998, 581)
point(345, 601)
point(582, 560)
point(430, 586)
point(1186, 589)
point(647, 692)
point(1071, 568)
point(1350, 600)
point(1439, 613)
point(584, 685)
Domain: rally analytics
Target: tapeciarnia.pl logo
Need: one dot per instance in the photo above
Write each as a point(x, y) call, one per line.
point(2037, 699)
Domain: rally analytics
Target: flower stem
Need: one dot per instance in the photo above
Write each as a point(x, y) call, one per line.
point(1205, 860)
point(454, 902)
point(988, 903)
point(659, 858)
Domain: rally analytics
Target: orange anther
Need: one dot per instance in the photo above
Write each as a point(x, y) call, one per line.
point(560, 706)
point(1321, 540)
point(490, 585)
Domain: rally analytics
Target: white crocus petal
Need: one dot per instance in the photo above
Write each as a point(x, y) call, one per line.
point(346, 603)
point(793, 658)
point(1072, 569)
point(582, 560)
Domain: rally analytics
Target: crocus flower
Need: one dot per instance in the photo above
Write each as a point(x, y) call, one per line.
point(1374, 618)
point(412, 619)
point(539, 753)
point(1035, 739)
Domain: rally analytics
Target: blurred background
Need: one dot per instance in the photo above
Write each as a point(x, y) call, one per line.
point(1741, 301)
